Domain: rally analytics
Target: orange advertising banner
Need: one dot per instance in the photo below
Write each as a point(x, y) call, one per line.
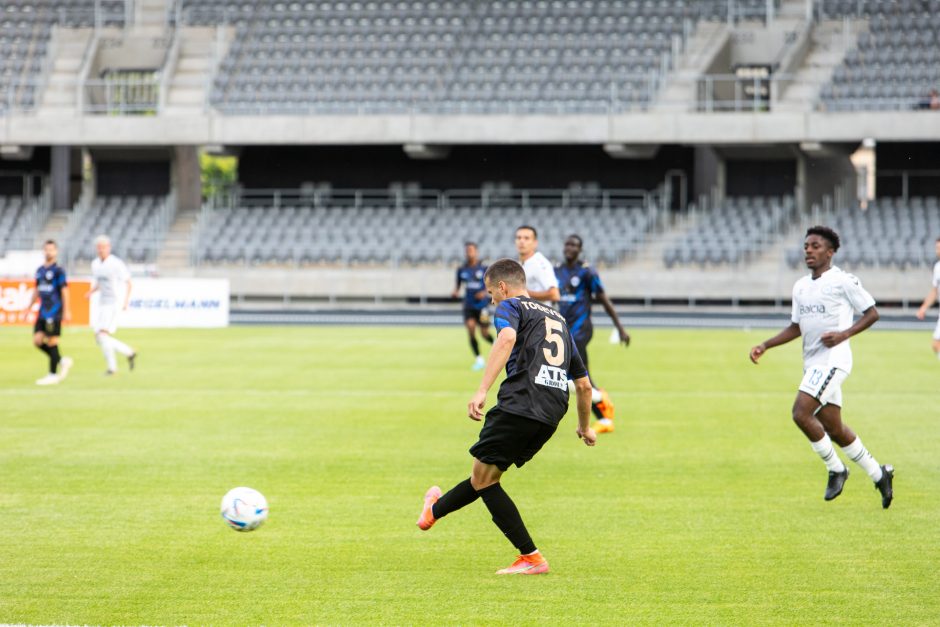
point(15, 296)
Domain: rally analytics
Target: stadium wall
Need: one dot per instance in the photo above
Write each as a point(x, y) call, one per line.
point(634, 128)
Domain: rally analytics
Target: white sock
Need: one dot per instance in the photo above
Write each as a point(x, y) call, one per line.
point(595, 395)
point(860, 455)
point(107, 348)
point(121, 347)
point(828, 454)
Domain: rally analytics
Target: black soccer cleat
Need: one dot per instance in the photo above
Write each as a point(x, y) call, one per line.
point(886, 485)
point(836, 482)
point(130, 361)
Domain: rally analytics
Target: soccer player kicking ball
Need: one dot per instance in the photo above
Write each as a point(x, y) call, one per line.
point(534, 346)
point(823, 307)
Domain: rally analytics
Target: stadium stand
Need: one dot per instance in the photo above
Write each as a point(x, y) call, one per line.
point(410, 232)
point(136, 224)
point(889, 233)
point(445, 55)
point(25, 34)
point(738, 230)
point(896, 63)
point(18, 223)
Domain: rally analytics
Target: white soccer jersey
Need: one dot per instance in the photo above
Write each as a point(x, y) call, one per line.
point(110, 277)
point(539, 274)
point(828, 304)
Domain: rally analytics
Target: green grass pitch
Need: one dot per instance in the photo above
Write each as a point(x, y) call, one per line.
point(705, 506)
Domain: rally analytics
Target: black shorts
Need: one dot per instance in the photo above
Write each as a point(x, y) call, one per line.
point(507, 439)
point(50, 327)
point(482, 316)
point(581, 342)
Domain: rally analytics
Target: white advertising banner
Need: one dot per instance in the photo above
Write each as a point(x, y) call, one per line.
point(174, 303)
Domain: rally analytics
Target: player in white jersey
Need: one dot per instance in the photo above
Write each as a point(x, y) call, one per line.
point(541, 282)
point(824, 304)
point(112, 281)
point(931, 299)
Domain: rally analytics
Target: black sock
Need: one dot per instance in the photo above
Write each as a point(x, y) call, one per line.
point(487, 337)
point(54, 358)
point(507, 518)
point(475, 346)
point(44, 348)
point(459, 496)
point(597, 412)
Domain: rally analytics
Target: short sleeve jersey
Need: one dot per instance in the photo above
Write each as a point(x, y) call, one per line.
point(472, 278)
point(539, 274)
point(50, 282)
point(109, 277)
point(542, 360)
point(578, 285)
point(827, 304)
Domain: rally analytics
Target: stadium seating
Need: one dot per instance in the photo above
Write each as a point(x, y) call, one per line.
point(440, 56)
point(738, 230)
point(25, 32)
point(896, 63)
point(136, 225)
point(17, 228)
point(409, 233)
point(890, 233)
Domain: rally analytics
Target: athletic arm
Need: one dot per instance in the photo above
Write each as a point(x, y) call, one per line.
point(499, 355)
point(551, 294)
point(788, 334)
point(35, 297)
point(609, 308)
point(66, 305)
point(833, 338)
point(127, 294)
point(583, 390)
point(456, 292)
point(927, 304)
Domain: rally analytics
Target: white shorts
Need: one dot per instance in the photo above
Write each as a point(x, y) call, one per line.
point(824, 384)
point(106, 319)
point(936, 331)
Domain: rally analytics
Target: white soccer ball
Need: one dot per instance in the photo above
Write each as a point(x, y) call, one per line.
point(244, 509)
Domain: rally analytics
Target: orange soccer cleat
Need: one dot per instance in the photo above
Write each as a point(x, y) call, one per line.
point(533, 564)
point(426, 520)
point(605, 406)
point(604, 425)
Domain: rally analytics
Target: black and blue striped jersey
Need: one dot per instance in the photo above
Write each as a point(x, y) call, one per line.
point(542, 360)
point(50, 281)
point(578, 285)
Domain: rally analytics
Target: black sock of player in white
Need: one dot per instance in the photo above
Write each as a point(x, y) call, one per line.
point(54, 358)
point(475, 346)
point(459, 496)
point(507, 518)
point(487, 337)
point(596, 411)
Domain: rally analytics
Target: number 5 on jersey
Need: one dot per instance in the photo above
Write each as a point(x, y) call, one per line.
point(550, 374)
